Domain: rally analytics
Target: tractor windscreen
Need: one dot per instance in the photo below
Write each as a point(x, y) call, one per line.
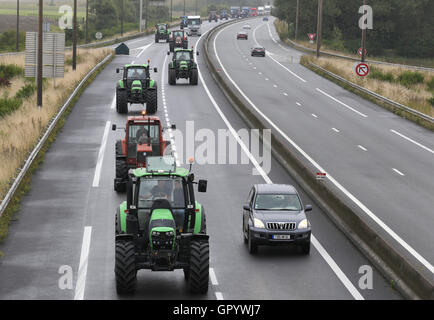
point(178, 34)
point(137, 73)
point(183, 55)
point(139, 133)
point(170, 188)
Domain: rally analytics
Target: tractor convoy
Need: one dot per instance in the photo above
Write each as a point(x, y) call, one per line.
point(160, 225)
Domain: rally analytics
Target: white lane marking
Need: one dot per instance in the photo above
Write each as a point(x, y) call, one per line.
point(275, 85)
point(267, 179)
point(362, 147)
point(298, 104)
point(272, 38)
point(112, 106)
point(132, 62)
point(314, 115)
point(336, 130)
point(144, 48)
point(340, 102)
point(84, 260)
point(411, 140)
point(219, 296)
point(285, 94)
point(213, 277)
point(101, 155)
point(386, 228)
point(266, 79)
point(398, 172)
point(259, 73)
point(344, 279)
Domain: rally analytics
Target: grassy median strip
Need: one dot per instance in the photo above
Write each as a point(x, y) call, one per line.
point(21, 130)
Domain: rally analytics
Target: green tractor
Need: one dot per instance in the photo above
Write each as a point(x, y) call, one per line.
point(161, 226)
point(136, 86)
point(183, 66)
point(162, 32)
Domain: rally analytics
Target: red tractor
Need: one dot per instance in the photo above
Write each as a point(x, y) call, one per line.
point(143, 137)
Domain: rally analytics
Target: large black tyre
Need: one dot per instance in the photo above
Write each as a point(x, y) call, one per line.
point(194, 77)
point(121, 101)
point(252, 246)
point(125, 267)
point(171, 47)
point(172, 76)
point(118, 221)
point(198, 272)
point(185, 45)
point(121, 173)
point(156, 38)
point(151, 101)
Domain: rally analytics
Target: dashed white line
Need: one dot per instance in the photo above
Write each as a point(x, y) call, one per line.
point(340, 102)
point(336, 130)
point(112, 106)
point(285, 94)
point(398, 172)
point(213, 277)
point(298, 104)
point(266, 79)
point(362, 147)
point(84, 260)
point(275, 85)
point(412, 141)
point(101, 156)
point(219, 296)
point(314, 115)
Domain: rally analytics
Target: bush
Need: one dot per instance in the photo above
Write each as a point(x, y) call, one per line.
point(430, 84)
point(409, 78)
point(9, 105)
point(26, 91)
point(9, 71)
point(4, 82)
point(377, 74)
point(431, 101)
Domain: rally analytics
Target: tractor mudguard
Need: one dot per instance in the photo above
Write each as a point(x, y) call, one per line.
point(121, 84)
point(198, 221)
point(124, 237)
point(118, 148)
point(152, 84)
point(171, 65)
point(123, 216)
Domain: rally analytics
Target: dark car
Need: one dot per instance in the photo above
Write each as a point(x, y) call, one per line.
point(265, 19)
point(275, 215)
point(242, 35)
point(258, 51)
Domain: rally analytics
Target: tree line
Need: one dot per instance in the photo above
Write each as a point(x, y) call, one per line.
point(400, 27)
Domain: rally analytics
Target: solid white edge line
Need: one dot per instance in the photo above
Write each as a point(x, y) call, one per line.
point(267, 179)
point(213, 277)
point(84, 259)
point(411, 140)
point(377, 220)
point(340, 102)
point(112, 106)
point(219, 296)
point(101, 155)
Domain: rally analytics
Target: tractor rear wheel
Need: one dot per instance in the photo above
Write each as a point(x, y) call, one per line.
point(125, 267)
point(198, 271)
point(121, 173)
point(121, 101)
point(194, 77)
point(172, 76)
point(151, 101)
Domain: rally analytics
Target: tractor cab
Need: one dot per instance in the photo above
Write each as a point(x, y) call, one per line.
point(162, 224)
point(143, 138)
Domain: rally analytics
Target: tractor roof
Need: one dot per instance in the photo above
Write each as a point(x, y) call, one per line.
point(160, 166)
point(136, 65)
point(144, 119)
point(182, 49)
point(141, 172)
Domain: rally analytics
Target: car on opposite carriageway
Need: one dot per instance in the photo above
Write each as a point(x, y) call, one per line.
point(274, 215)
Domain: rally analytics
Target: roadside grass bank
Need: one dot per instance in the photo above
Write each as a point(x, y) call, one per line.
point(335, 46)
point(21, 130)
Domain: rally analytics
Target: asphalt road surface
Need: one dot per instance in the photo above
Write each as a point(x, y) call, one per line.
point(67, 218)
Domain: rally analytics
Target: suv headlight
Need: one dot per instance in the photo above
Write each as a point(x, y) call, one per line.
point(303, 224)
point(258, 223)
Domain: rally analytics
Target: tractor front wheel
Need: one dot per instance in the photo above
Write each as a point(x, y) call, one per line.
point(151, 101)
point(194, 77)
point(121, 174)
point(172, 76)
point(121, 101)
point(125, 267)
point(198, 271)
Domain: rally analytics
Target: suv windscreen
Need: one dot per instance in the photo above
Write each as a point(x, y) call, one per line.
point(287, 202)
point(164, 187)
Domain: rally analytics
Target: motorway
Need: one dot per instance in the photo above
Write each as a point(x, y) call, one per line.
point(67, 218)
point(380, 162)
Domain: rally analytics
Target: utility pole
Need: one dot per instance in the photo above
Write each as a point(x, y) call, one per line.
point(18, 25)
point(147, 14)
point(319, 29)
point(184, 8)
point(87, 25)
point(296, 19)
point(39, 71)
point(171, 6)
point(364, 39)
point(122, 17)
point(141, 16)
point(74, 41)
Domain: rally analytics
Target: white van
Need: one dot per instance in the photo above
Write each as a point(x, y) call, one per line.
point(193, 26)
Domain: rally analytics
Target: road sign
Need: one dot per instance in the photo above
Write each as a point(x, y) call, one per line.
point(359, 52)
point(311, 36)
point(362, 69)
point(53, 58)
point(98, 35)
point(321, 175)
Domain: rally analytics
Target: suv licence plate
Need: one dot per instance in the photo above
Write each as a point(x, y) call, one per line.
point(282, 236)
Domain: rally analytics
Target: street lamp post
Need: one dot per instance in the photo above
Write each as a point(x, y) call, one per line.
point(39, 69)
point(74, 41)
point(18, 25)
point(319, 29)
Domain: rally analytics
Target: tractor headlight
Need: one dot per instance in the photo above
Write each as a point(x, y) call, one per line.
point(258, 223)
point(303, 224)
point(155, 233)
